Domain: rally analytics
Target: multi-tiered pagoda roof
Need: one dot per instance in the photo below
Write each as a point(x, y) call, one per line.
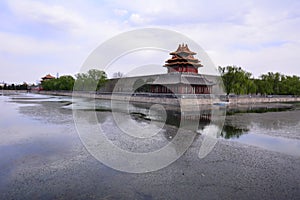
point(183, 57)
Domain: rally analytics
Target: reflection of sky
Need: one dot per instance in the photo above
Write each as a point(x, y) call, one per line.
point(26, 141)
point(9, 116)
point(13, 122)
point(278, 144)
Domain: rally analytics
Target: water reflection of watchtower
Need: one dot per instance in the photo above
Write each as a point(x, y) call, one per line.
point(188, 118)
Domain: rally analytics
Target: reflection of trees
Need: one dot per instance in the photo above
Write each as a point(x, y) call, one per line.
point(232, 132)
point(264, 116)
point(275, 121)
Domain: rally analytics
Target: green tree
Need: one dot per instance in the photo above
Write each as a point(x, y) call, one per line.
point(90, 81)
point(227, 74)
point(61, 83)
point(236, 80)
point(65, 83)
point(276, 83)
point(267, 84)
point(260, 87)
point(49, 84)
point(292, 85)
point(250, 86)
point(271, 82)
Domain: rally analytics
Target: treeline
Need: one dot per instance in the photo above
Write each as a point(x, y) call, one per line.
point(13, 86)
point(90, 81)
point(61, 83)
point(238, 81)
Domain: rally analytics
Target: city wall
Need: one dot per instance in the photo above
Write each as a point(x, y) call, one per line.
point(185, 100)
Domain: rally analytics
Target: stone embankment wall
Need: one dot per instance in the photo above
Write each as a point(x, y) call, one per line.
point(174, 101)
point(11, 92)
point(70, 93)
point(145, 99)
point(253, 100)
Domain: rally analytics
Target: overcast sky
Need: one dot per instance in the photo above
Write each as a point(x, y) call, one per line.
point(41, 37)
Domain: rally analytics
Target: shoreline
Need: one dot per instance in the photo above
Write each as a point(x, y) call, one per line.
point(185, 100)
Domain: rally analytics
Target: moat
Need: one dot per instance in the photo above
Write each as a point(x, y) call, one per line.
point(257, 154)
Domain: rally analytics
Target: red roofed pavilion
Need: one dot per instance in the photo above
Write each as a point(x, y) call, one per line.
point(47, 77)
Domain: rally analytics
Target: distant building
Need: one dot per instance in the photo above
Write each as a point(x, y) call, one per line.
point(39, 87)
point(47, 77)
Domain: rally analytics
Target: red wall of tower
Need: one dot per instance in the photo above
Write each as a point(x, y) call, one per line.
point(183, 69)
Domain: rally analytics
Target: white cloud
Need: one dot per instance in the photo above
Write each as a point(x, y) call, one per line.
point(55, 15)
point(176, 12)
point(260, 36)
point(120, 12)
point(137, 19)
point(22, 45)
point(72, 22)
point(33, 54)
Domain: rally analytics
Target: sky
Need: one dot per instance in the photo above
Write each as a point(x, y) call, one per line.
point(42, 37)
